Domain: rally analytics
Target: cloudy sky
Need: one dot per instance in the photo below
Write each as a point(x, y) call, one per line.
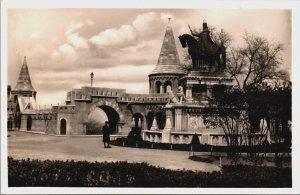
point(120, 46)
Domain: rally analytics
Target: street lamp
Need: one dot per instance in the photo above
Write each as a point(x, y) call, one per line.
point(92, 77)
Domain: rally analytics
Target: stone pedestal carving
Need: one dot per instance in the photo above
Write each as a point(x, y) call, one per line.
point(195, 123)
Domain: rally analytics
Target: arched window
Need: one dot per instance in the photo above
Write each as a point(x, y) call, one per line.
point(157, 87)
point(167, 83)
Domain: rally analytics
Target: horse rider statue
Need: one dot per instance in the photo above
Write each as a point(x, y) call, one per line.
point(203, 49)
point(204, 39)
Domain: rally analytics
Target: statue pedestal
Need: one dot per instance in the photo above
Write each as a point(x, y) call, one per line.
point(200, 85)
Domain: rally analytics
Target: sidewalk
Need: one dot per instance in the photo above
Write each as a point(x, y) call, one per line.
point(79, 148)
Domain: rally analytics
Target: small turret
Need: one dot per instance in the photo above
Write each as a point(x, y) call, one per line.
point(168, 68)
point(24, 86)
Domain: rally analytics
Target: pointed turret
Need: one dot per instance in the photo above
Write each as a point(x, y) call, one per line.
point(168, 53)
point(168, 60)
point(24, 81)
point(24, 86)
point(168, 69)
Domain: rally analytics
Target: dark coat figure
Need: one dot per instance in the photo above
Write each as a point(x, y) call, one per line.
point(106, 134)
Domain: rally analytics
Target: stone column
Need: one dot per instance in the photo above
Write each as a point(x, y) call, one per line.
point(161, 89)
point(132, 124)
point(188, 93)
point(178, 119)
point(140, 123)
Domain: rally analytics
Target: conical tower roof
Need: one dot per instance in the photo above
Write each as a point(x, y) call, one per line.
point(24, 81)
point(168, 60)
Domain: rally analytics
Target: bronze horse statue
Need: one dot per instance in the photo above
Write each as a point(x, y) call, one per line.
point(204, 50)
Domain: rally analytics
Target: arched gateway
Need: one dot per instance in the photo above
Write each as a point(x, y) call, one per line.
point(112, 112)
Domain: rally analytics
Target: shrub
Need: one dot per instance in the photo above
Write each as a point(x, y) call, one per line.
point(28, 172)
point(134, 137)
point(195, 140)
point(198, 147)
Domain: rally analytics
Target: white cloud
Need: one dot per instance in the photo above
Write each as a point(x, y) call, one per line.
point(141, 23)
point(114, 36)
point(73, 38)
point(54, 55)
point(142, 26)
point(90, 22)
point(66, 49)
point(73, 27)
point(65, 54)
point(77, 41)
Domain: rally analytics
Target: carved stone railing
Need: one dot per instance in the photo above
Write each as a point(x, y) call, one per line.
point(152, 136)
point(185, 137)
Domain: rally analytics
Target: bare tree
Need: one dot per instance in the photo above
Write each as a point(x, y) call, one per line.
point(256, 62)
point(221, 37)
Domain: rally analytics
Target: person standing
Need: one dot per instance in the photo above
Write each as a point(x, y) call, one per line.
point(106, 135)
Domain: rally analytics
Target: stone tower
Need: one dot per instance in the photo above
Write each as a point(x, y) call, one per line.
point(24, 87)
point(168, 69)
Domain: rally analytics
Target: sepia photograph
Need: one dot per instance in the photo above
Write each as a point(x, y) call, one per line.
point(105, 99)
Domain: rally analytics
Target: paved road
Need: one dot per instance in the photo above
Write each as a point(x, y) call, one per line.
point(90, 148)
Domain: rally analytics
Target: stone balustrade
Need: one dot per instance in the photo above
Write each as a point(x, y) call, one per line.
point(152, 136)
point(184, 137)
point(142, 98)
point(86, 93)
point(63, 108)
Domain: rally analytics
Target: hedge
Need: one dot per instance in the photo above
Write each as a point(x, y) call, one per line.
point(24, 173)
point(201, 147)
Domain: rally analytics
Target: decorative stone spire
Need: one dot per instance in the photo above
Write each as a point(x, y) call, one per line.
point(168, 53)
point(168, 60)
point(24, 81)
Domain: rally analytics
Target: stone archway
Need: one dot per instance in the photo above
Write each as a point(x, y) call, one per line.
point(112, 111)
point(112, 116)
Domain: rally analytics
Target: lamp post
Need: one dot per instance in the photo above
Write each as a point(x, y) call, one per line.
point(92, 77)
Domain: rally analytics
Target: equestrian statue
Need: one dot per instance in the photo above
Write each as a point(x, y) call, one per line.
point(203, 51)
